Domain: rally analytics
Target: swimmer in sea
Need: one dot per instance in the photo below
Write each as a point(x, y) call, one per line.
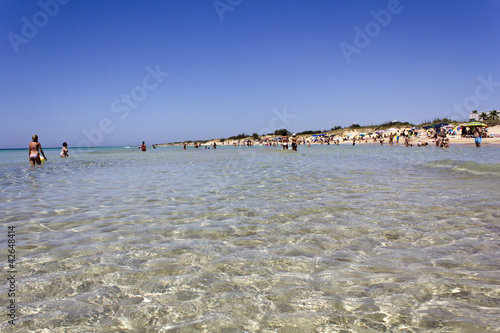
point(64, 150)
point(143, 146)
point(34, 151)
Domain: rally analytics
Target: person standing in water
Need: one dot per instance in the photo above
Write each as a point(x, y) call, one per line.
point(34, 151)
point(143, 146)
point(294, 142)
point(478, 134)
point(284, 141)
point(64, 150)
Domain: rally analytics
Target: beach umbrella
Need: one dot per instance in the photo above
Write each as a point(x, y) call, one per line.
point(439, 125)
point(362, 134)
point(476, 123)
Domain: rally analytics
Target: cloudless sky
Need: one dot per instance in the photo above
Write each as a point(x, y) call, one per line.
point(119, 72)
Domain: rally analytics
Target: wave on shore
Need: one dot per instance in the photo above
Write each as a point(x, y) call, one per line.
point(466, 167)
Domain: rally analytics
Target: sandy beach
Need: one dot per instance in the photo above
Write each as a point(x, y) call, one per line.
point(346, 135)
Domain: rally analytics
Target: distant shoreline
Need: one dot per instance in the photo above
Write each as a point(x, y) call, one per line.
point(345, 137)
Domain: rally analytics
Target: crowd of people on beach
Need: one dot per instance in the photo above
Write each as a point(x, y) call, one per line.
point(439, 136)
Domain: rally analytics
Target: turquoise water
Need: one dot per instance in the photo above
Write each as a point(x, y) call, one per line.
point(329, 239)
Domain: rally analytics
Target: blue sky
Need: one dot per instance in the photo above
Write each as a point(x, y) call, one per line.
point(122, 72)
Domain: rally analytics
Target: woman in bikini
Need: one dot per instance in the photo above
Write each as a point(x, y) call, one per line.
point(34, 151)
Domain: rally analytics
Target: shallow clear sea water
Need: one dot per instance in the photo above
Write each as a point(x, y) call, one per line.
point(238, 239)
